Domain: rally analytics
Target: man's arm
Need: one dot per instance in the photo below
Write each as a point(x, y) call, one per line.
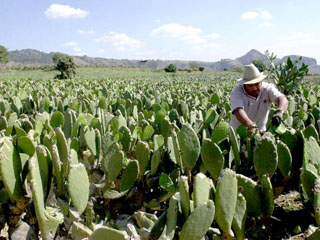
point(282, 103)
point(242, 117)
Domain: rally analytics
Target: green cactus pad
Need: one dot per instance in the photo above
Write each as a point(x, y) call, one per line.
point(212, 158)
point(142, 220)
point(220, 132)
point(189, 145)
point(48, 218)
point(226, 199)
point(57, 168)
point(265, 158)
point(155, 161)
point(104, 232)
point(198, 222)
point(115, 163)
point(10, 167)
point(316, 201)
point(311, 131)
point(63, 151)
point(78, 187)
point(57, 120)
point(184, 195)
point(251, 192)
point(80, 231)
point(239, 218)
point(90, 140)
point(284, 159)
point(129, 176)
point(126, 138)
point(68, 125)
point(26, 145)
point(172, 216)
point(267, 195)
point(44, 165)
point(201, 189)
point(307, 180)
point(143, 157)
point(235, 146)
point(313, 152)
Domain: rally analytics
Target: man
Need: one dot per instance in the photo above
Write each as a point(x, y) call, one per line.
point(251, 101)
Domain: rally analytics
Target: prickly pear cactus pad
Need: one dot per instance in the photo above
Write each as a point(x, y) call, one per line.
point(212, 158)
point(226, 199)
point(109, 233)
point(78, 187)
point(220, 132)
point(189, 145)
point(267, 193)
point(198, 222)
point(239, 218)
point(10, 167)
point(201, 189)
point(313, 152)
point(284, 159)
point(129, 176)
point(265, 158)
point(235, 146)
point(252, 193)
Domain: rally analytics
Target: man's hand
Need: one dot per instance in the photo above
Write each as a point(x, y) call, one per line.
point(252, 129)
point(277, 118)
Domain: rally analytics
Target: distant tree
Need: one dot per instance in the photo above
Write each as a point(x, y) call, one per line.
point(201, 69)
point(260, 65)
point(171, 68)
point(4, 54)
point(65, 64)
point(194, 66)
point(225, 69)
point(238, 69)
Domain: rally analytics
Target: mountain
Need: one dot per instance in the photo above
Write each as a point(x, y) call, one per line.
point(27, 57)
point(250, 56)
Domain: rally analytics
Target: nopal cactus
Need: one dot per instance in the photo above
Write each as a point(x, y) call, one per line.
point(212, 158)
point(225, 200)
point(265, 158)
point(220, 132)
point(189, 145)
point(198, 222)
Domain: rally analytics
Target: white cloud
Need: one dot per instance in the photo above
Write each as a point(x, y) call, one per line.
point(265, 15)
point(175, 30)
point(186, 34)
point(121, 41)
point(86, 32)
point(70, 44)
point(249, 15)
point(78, 51)
point(64, 11)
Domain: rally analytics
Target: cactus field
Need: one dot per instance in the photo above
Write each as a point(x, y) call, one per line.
point(138, 154)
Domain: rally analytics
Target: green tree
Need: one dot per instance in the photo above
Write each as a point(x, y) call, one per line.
point(4, 54)
point(65, 64)
point(238, 69)
point(171, 68)
point(287, 75)
point(260, 65)
point(201, 69)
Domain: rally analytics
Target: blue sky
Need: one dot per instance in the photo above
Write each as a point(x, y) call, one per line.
point(200, 30)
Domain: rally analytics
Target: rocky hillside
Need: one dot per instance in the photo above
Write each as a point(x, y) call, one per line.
point(35, 57)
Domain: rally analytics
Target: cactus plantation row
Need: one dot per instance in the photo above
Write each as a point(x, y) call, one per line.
point(149, 158)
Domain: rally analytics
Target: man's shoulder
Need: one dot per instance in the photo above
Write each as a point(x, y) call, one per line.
point(237, 90)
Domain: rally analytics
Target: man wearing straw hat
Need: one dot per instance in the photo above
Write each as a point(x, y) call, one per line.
point(251, 101)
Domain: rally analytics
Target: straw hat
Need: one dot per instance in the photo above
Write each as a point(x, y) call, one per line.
point(252, 75)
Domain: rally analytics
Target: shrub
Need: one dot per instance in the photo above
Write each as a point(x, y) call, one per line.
point(260, 65)
point(171, 68)
point(65, 65)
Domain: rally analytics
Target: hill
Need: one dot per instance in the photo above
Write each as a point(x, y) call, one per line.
point(27, 57)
